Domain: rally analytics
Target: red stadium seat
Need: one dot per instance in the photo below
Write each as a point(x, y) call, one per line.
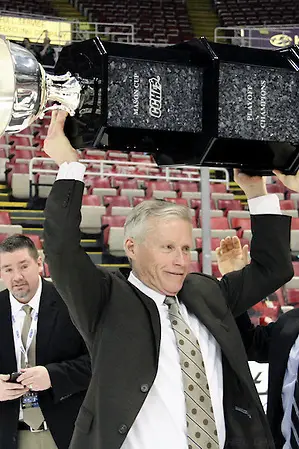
point(116, 201)
point(287, 205)
point(156, 185)
point(215, 242)
point(196, 204)
point(91, 200)
point(276, 188)
point(5, 218)
point(293, 296)
point(295, 223)
point(296, 268)
point(93, 181)
point(116, 221)
point(36, 240)
point(227, 205)
point(125, 183)
point(186, 186)
point(218, 223)
point(218, 188)
point(241, 224)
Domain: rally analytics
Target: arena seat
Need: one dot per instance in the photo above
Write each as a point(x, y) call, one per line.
point(91, 200)
point(228, 205)
point(108, 221)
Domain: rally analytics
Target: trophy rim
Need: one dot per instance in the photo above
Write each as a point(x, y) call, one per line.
point(7, 87)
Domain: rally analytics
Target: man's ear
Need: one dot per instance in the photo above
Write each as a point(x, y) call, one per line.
point(130, 248)
point(40, 264)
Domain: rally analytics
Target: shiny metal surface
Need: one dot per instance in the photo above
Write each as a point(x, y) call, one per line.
point(25, 88)
point(7, 84)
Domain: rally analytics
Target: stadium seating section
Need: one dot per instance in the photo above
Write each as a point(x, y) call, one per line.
point(154, 21)
point(257, 12)
point(114, 183)
point(43, 8)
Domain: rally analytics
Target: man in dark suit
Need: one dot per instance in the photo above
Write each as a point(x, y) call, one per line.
point(169, 366)
point(276, 344)
point(39, 410)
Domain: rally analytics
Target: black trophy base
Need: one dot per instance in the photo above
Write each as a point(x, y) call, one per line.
point(196, 103)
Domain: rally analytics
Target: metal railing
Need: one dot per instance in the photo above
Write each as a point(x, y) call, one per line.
point(62, 32)
point(193, 176)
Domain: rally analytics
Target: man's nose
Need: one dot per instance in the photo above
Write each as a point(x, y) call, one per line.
point(17, 275)
point(179, 257)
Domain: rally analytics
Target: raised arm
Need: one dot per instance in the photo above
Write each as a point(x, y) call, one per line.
point(270, 265)
point(84, 288)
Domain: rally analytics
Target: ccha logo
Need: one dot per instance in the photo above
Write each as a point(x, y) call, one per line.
point(155, 97)
point(281, 40)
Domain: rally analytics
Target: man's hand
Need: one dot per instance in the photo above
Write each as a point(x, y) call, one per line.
point(290, 181)
point(36, 378)
point(231, 256)
point(10, 390)
point(253, 186)
point(56, 145)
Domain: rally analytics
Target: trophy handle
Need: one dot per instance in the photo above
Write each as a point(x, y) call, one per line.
point(65, 89)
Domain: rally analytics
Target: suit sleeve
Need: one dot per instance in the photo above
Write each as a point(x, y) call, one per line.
point(70, 376)
point(84, 288)
point(256, 340)
point(270, 267)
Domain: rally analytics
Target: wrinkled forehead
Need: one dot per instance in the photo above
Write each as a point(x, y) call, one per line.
point(171, 228)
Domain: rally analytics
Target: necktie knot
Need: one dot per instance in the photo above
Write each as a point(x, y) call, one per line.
point(27, 309)
point(169, 300)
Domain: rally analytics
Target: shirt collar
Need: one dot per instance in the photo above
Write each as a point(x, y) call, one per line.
point(156, 296)
point(16, 306)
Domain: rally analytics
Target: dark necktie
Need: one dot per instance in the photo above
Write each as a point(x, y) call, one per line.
point(201, 428)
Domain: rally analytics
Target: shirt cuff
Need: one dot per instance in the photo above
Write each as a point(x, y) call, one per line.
point(266, 204)
point(71, 170)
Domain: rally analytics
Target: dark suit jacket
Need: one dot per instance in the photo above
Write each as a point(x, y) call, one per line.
point(60, 348)
point(272, 344)
point(121, 325)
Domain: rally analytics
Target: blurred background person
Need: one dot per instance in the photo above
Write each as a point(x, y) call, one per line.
point(38, 339)
point(277, 344)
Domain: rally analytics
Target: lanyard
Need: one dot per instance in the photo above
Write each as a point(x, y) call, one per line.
point(30, 337)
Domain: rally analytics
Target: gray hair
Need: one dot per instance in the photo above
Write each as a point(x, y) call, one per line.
point(137, 222)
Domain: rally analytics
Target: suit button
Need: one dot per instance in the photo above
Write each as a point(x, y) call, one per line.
point(144, 388)
point(123, 429)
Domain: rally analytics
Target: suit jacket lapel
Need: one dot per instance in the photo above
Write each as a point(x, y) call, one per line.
point(222, 327)
point(46, 323)
point(7, 348)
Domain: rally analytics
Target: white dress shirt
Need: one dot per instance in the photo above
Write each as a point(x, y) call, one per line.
point(288, 389)
point(19, 314)
point(161, 422)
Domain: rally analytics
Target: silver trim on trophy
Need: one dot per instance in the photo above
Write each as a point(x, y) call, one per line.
point(26, 89)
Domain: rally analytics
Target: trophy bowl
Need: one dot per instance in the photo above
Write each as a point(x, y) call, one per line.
point(22, 87)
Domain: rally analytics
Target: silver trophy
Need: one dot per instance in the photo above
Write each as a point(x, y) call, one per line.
point(196, 102)
point(26, 89)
